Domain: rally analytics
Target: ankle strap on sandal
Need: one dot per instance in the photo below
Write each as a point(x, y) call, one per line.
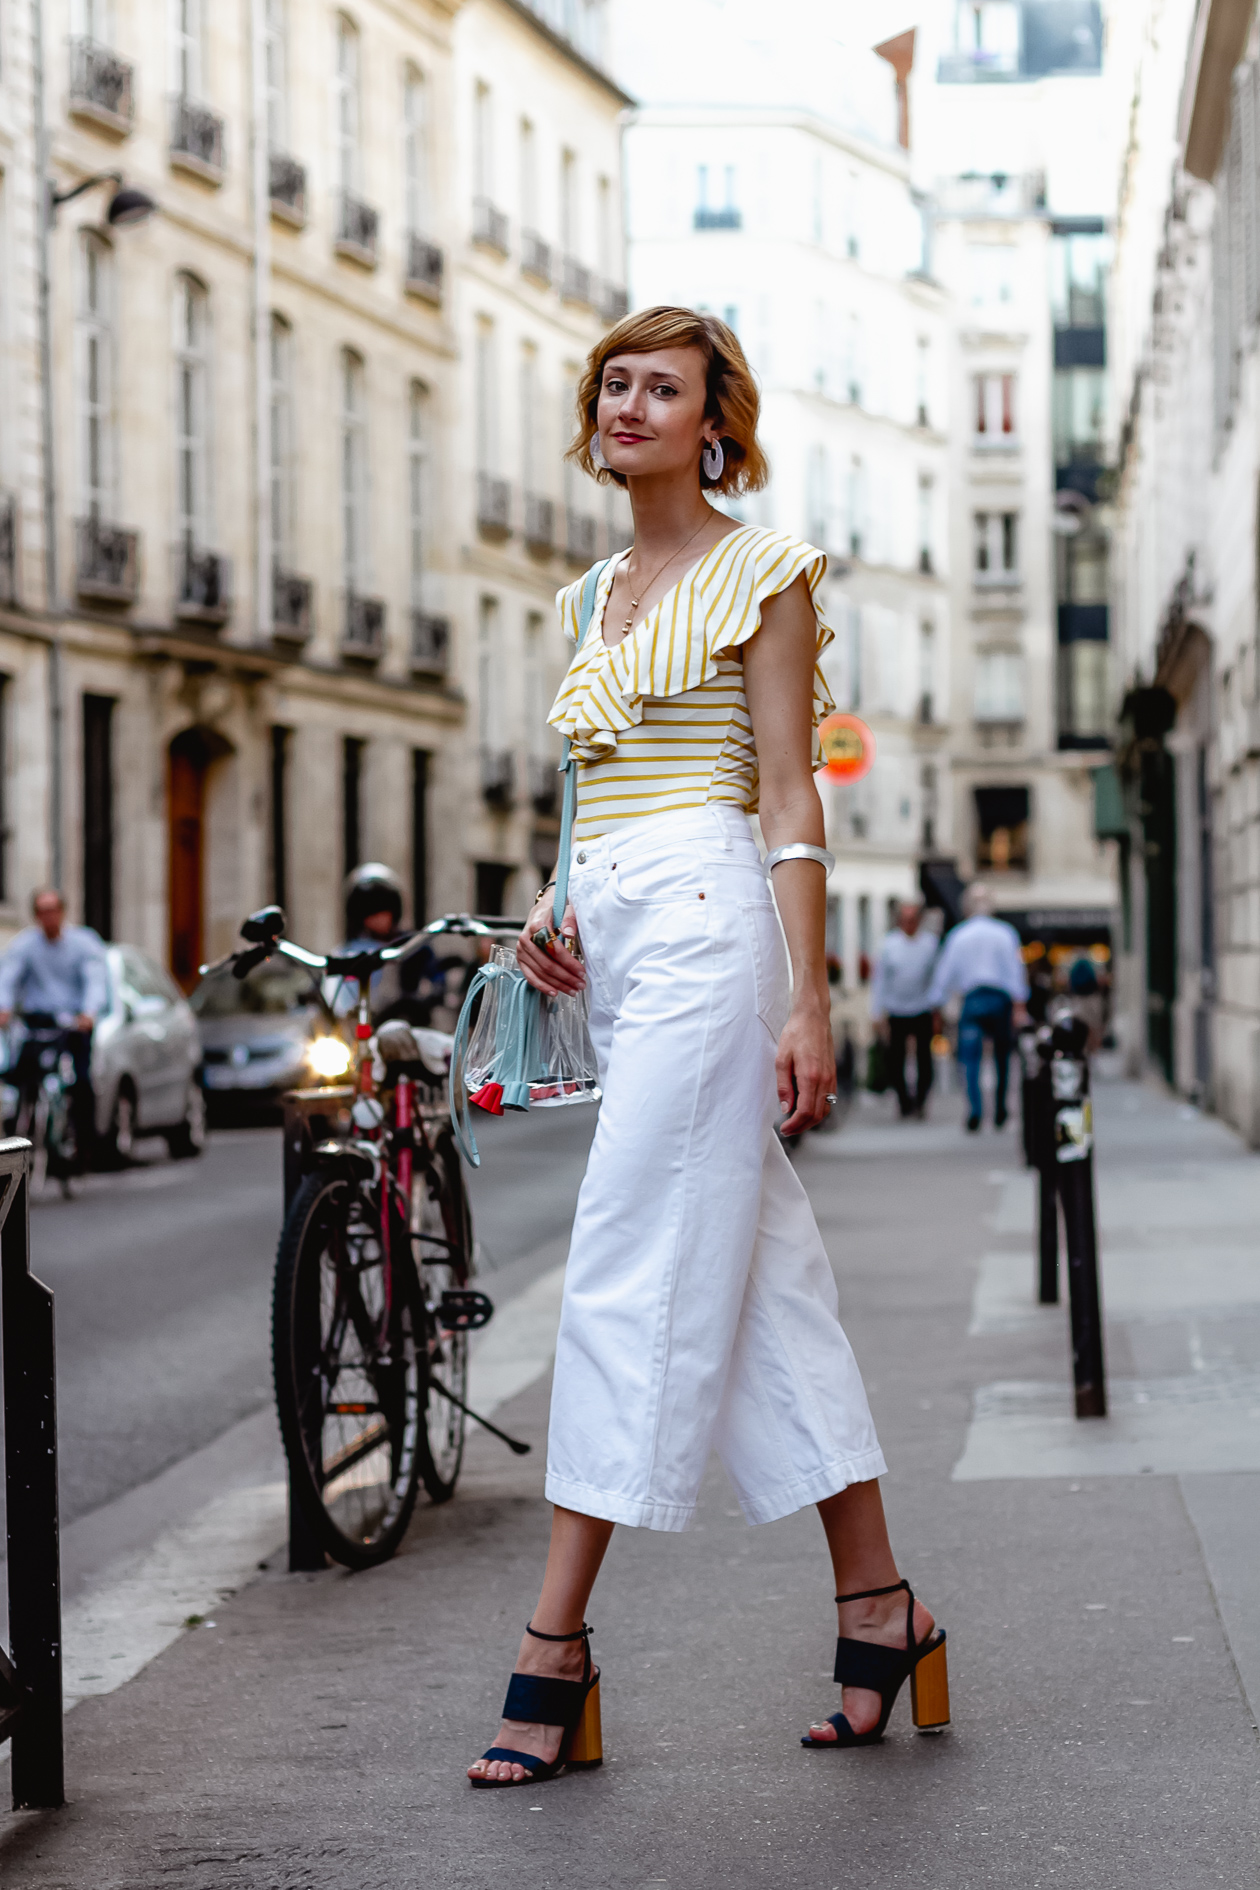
point(869, 1594)
point(583, 1633)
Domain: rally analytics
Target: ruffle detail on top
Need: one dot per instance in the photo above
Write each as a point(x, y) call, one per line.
point(676, 647)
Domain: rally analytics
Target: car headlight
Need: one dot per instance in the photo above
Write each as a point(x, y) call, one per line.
point(329, 1056)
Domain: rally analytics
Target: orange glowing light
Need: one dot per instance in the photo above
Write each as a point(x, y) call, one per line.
point(848, 747)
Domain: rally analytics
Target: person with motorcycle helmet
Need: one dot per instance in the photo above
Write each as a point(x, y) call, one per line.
point(373, 896)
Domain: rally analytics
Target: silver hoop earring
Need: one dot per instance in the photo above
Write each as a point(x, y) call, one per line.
point(712, 460)
point(597, 454)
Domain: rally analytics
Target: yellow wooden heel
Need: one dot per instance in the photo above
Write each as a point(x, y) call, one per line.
point(929, 1690)
point(587, 1747)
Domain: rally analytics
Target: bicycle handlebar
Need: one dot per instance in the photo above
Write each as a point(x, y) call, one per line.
point(363, 964)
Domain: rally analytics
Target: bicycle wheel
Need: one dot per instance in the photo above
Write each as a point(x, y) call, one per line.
point(350, 1371)
point(444, 1258)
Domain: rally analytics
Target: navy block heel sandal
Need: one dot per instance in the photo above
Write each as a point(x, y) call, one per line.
point(884, 1670)
point(572, 1704)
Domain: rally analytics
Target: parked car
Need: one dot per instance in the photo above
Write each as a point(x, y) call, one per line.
point(146, 1055)
point(266, 1033)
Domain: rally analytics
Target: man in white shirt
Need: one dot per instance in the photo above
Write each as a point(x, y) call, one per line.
point(899, 997)
point(981, 958)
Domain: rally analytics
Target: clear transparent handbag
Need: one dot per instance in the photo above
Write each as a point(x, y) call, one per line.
point(523, 1049)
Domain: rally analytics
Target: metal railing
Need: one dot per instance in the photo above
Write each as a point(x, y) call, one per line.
point(614, 301)
point(107, 561)
point(8, 548)
point(424, 267)
point(203, 585)
point(490, 225)
point(577, 284)
point(30, 1673)
point(536, 257)
point(363, 635)
point(494, 503)
point(358, 228)
point(544, 784)
point(726, 219)
point(430, 644)
point(197, 138)
point(100, 84)
point(579, 536)
point(540, 522)
point(290, 606)
point(498, 777)
point(287, 187)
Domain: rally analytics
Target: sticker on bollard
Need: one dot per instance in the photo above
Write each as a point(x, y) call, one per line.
point(1073, 1132)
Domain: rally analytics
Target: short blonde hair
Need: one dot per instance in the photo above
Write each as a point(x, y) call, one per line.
point(732, 397)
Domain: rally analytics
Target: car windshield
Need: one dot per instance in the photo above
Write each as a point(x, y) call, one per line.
point(270, 990)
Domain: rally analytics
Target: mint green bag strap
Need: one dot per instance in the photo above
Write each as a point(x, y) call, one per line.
point(568, 767)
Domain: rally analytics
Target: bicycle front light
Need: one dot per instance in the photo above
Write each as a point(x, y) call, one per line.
point(329, 1056)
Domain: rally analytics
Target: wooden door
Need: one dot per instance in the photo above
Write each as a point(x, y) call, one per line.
point(186, 798)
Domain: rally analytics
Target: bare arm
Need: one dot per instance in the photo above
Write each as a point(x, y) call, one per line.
point(779, 684)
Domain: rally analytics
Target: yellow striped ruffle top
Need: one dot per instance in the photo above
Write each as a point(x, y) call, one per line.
point(660, 722)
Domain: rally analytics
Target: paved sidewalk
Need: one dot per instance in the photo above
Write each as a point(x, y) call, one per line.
point(1098, 1584)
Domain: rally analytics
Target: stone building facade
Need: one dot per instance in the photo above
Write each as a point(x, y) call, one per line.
point(248, 657)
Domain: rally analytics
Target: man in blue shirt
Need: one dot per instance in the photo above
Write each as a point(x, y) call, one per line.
point(899, 994)
point(981, 958)
point(54, 975)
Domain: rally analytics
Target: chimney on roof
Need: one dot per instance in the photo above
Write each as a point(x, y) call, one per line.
point(899, 52)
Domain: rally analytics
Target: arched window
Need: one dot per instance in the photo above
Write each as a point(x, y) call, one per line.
point(354, 463)
point(280, 441)
point(415, 151)
point(348, 117)
point(95, 325)
point(192, 408)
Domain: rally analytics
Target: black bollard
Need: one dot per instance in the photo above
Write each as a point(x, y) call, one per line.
point(1074, 1164)
point(1039, 1134)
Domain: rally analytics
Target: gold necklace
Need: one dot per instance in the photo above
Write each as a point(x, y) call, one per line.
point(634, 602)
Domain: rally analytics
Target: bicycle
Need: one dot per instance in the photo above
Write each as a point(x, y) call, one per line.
point(44, 1077)
point(372, 1303)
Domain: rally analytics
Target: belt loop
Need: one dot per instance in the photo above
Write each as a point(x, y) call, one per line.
point(723, 833)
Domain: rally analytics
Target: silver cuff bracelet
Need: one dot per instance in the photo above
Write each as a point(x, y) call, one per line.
point(799, 851)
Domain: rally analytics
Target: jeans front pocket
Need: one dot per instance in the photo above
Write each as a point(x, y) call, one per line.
point(770, 966)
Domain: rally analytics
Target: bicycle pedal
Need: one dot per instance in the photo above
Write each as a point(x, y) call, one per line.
point(464, 1311)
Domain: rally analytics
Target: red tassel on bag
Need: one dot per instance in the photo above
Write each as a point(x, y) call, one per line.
point(490, 1098)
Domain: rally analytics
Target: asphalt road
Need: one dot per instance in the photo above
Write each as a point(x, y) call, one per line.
point(162, 1278)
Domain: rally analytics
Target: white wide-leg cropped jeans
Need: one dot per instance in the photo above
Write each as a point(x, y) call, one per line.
point(700, 1311)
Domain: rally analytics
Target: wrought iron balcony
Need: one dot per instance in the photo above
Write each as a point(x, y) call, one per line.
point(926, 566)
point(287, 188)
point(490, 226)
point(536, 258)
point(614, 301)
point(197, 139)
point(494, 503)
point(8, 549)
point(577, 284)
point(728, 219)
point(540, 523)
point(544, 784)
point(203, 585)
point(100, 85)
point(107, 561)
point(363, 636)
point(358, 227)
point(579, 537)
point(430, 644)
point(498, 778)
point(424, 268)
point(290, 607)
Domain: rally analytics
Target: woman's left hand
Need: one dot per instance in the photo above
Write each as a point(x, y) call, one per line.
point(805, 1069)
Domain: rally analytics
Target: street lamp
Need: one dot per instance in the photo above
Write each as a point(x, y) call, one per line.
point(128, 206)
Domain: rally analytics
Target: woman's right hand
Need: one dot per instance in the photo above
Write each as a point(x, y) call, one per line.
point(557, 970)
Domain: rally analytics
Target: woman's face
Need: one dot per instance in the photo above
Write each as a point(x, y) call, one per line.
point(651, 414)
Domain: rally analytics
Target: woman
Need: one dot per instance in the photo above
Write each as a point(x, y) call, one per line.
point(699, 1309)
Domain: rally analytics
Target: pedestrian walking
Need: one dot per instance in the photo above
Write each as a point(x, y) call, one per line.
point(899, 1001)
point(55, 977)
point(981, 959)
point(700, 1311)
